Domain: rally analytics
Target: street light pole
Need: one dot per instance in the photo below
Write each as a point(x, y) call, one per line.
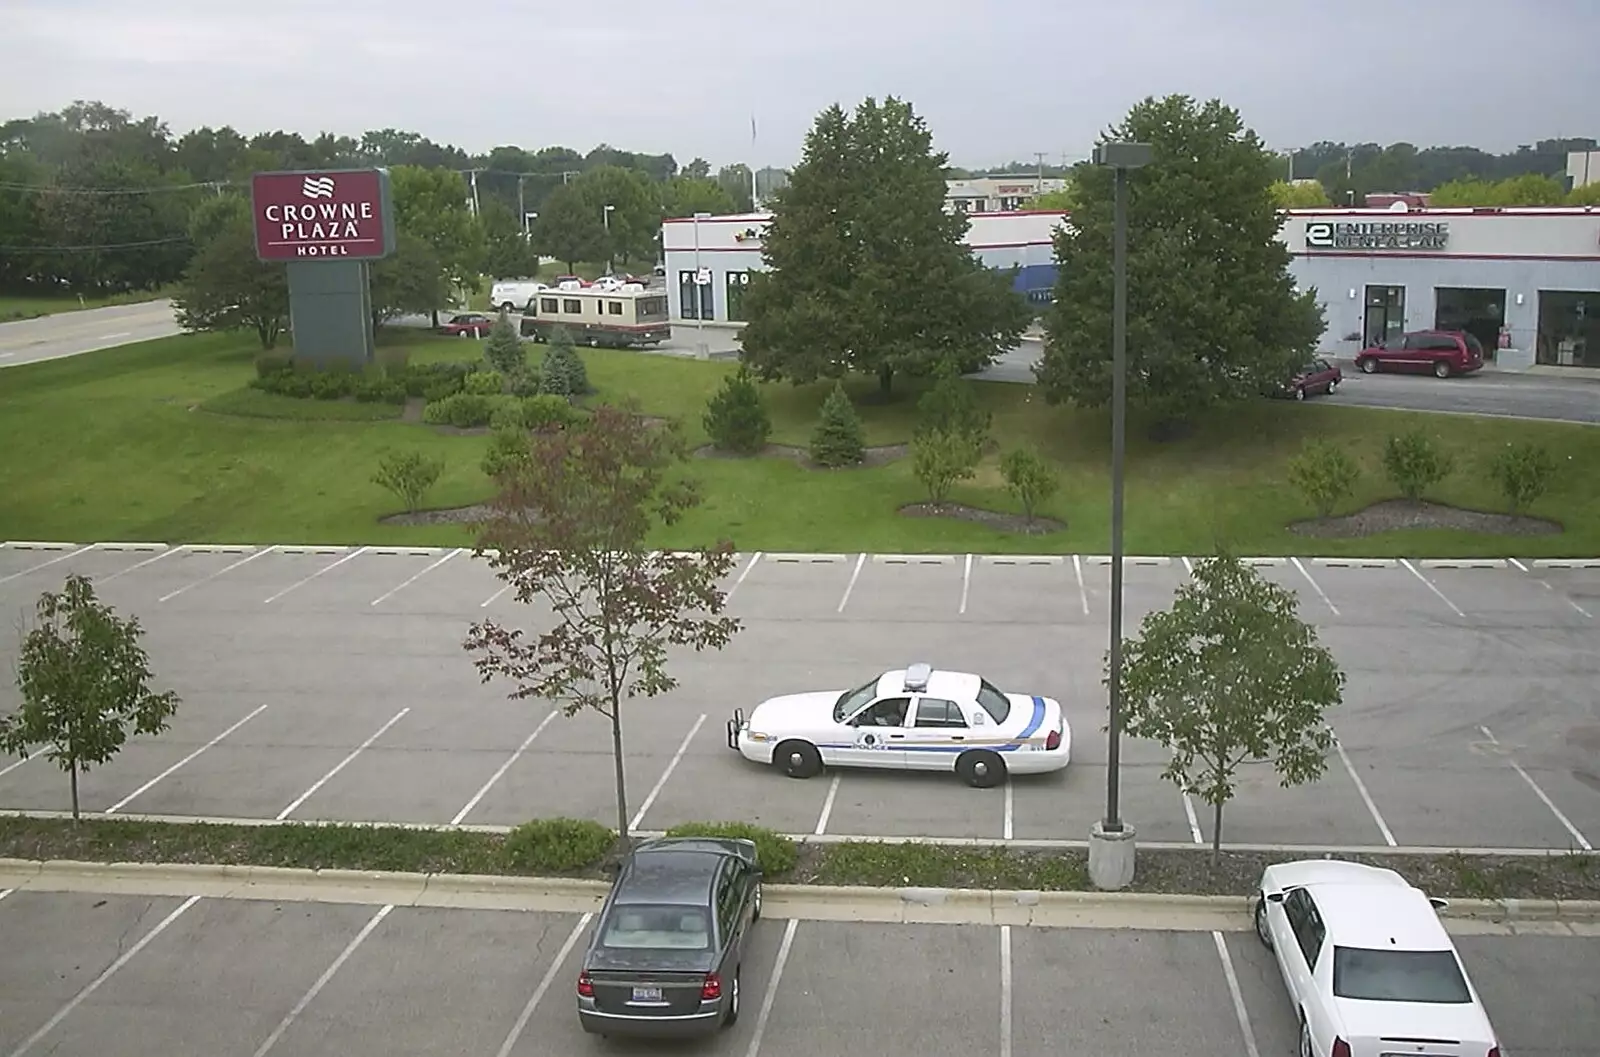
point(1111, 845)
point(605, 217)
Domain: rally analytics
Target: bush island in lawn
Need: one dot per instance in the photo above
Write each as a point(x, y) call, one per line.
point(775, 853)
point(557, 845)
point(463, 411)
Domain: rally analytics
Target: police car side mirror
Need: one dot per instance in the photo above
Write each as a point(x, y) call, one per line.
point(1274, 897)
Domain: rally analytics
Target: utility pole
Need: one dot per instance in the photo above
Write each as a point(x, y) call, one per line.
point(522, 208)
point(1039, 156)
point(472, 181)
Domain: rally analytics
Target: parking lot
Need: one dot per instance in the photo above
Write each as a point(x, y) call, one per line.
point(225, 976)
point(330, 683)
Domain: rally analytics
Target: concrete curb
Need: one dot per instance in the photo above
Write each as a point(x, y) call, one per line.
point(1135, 910)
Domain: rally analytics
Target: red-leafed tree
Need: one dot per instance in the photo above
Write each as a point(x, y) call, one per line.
point(570, 524)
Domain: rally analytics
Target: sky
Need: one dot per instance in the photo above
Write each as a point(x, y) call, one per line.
point(996, 81)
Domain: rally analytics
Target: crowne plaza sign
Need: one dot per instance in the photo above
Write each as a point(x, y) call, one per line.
point(299, 216)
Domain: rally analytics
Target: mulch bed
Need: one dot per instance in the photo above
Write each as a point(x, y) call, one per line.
point(871, 457)
point(1013, 523)
point(456, 515)
point(1392, 515)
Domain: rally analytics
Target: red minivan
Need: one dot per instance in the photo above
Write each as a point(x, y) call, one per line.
point(1444, 352)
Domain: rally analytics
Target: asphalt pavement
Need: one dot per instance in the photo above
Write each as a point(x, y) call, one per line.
point(72, 333)
point(123, 976)
point(331, 683)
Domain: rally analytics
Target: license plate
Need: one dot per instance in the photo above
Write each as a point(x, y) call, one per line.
point(647, 994)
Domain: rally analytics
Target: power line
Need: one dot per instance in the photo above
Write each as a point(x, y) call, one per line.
point(51, 189)
point(91, 248)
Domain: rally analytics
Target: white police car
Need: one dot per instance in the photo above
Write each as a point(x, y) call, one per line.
point(914, 718)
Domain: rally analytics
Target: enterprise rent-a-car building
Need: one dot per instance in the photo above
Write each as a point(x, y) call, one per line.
point(1526, 282)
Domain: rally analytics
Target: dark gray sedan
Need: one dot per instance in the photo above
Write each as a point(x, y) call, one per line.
point(670, 939)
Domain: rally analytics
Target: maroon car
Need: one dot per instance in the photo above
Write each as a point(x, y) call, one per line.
point(1444, 352)
point(475, 324)
point(1318, 376)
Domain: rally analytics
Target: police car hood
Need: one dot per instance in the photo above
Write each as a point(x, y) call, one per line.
point(795, 710)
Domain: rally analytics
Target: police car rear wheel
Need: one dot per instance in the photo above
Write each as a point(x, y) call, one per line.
point(798, 759)
point(981, 769)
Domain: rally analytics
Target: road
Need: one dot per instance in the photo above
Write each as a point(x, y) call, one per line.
point(71, 333)
point(1487, 393)
point(1468, 721)
point(123, 975)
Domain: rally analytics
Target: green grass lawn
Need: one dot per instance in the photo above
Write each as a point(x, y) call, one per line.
point(15, 308)
point(162, 441)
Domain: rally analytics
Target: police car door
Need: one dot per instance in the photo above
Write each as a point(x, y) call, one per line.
point(938, 735)
point(878, 734)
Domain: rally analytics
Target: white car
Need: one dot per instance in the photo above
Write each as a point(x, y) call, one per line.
point(1368, 965)
point(912, 718)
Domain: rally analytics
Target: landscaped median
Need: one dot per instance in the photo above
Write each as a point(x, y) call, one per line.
point(559, 863)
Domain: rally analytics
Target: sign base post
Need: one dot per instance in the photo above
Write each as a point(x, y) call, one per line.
point(330, 313)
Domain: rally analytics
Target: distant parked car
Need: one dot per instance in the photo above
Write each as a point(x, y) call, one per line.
point(1444, 352)
point(670, 939)
point(1318, 376)
point(474, 323)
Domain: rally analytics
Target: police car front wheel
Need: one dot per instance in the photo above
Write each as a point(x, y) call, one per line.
point(798, 759)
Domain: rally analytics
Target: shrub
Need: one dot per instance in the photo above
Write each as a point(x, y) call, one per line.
point(409, 475)
point(951, 406)
point(379, 390)
point(557, 845)
point(440, 390)
point(735, 418)
point(507, 446)
point(463, 410)
point(837, 440)
point(1030, 478)
point(1325, 474)
point(941, 459)
point(523, 382)
point(1414, 463)
point(273, 363)
point(394, 361)
point(1523, 472)
point(332, 385)
point(293, 383)
point(563, 372)
point(548, 410)
point(775, 853)
point(504, 349)
point(485, 383)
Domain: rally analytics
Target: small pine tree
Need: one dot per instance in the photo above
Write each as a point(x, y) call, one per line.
point(951, 406)
point(735, 418)
point(562, 373)
point(504, 349)
point(838, 439)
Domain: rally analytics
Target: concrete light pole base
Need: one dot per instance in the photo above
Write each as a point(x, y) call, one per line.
point(1111, 858)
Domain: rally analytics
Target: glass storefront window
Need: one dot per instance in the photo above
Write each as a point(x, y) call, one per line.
point(1569, 328)
point(1480, 313)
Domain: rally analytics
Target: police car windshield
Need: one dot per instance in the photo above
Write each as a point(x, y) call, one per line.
point(853, 700)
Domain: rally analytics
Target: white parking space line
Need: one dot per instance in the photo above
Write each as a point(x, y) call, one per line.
point(1430, 585)
point(827, 808)
point(120, 804)
point(1188, 566)
point(751, 564)
point(8, 768)
point(5, 892)
point(1366, 797)
point(966, 584)
point(1010, 805)
point(487, 602)
point(1550, 587)
point(44, 565)
point(672, 765)
point(851, 586)
point(1315, 586)
point(1237, 995)
point(1083, 592)
point(416, 576)
point(1005, 990)
point(105, 974)
point(341, 765)
point(325, 569)
point(1583, 841)
point(545, 984)
point(772, 989)
point(504, 767)
point(322, 981)
point(169, 552)
point(1194, 819)
point(226, 569)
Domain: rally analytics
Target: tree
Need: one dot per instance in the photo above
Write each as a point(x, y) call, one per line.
point(1030, 478)
point(837, 439)
point(568, 229)
point(409, 475)
point(562, 372)
point(570, 525)
point(698, 169)
point(951, 406)
point(939, 459)
point(866, 271)
point(735, 180)
point(632, 228)
point(1524, 472)
point(1302, 194)
point(504, 349)
point(684, 196)
point(1229, 674)
point(1064, 199)
point(227, 288)
point(409, 280)
point(1528, 189)
point(1324, 473)
point(1587, 195)
point(1213, 314)
point(735, 418)
point(1415, 462)
point(431, 204)
point(508, 253)
point(85, 683)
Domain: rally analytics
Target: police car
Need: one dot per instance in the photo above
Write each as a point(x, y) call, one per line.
point(915, 719)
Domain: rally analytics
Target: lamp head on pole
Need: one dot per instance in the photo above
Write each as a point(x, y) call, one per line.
point(1119, 155)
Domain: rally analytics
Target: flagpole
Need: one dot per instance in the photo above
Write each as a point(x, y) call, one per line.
point(753, 162)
